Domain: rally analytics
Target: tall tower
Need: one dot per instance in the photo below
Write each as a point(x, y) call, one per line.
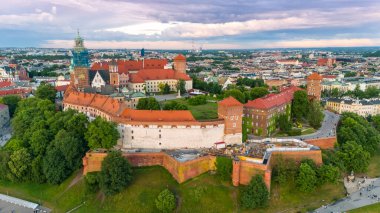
point(180, 63)
point(314, 86)
point(114, 73)
point(231, 111)
point(80, 64)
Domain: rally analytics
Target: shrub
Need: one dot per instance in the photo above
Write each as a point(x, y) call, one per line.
point(224, 167)
point(165, 202)
point(328, 174)
point(306, 179)
point(254, 195)
point(294, 132)
point(91, 181)
point(197, 100)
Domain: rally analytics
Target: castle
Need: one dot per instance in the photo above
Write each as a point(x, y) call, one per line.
point(151, 129)
point(145, 75)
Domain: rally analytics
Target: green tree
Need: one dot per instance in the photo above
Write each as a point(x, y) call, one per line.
point(237, 94)
point(116, 173)
point(224, 167)
point(258, 92)
point(161, 87)
point(165, 201)
point(315, 115)
point(19, 164)
point(255, 195)
point(181, 86)
point(197, 100)
point(173, 105)
point(4, 169)
point(148, 104)
point(284, 123)
point(54, 166)
point(166, 89)
point(101, 134)
point(354, 157)
point(11, 101)
point(46, 91)
point(328, 174)
point(300, 105)
point(284, 170)
point(91, 181)
point(306, 179)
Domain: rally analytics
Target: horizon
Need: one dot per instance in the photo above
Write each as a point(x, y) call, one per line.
point(210, 25)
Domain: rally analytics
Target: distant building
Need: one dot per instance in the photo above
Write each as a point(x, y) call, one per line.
point(314, 87)
point(329, 62)
point(288, 62)
point(360, 107)
point(4, 115)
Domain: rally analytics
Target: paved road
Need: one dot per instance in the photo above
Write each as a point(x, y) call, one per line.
point(367, 196)
point(328, 128)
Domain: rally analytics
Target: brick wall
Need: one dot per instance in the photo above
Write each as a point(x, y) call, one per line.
point(323, 143)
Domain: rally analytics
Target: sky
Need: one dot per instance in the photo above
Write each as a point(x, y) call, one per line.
point(170, 24)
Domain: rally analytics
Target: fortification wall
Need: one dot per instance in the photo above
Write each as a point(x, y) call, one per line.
point(315, 155)
point(323, 143)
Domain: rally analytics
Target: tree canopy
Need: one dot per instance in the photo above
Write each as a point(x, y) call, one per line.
point(254, 195)
point(300, 105)
point(101, 134)
point(165, 201)
point(307, 178)
point(46, 91)
point(148, 104)
point(11, 101)
point(116, 173)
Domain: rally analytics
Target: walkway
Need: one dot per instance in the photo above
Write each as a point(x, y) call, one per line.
point(366, 196)
point(327, 129)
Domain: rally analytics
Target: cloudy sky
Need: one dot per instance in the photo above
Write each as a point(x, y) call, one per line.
point(170, 24)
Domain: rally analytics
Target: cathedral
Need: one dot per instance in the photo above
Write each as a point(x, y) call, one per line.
point(106, 77)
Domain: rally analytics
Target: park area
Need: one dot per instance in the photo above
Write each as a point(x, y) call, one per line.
point(206, 193)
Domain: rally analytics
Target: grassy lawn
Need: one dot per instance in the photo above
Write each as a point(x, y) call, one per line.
point(200, 112)
point(368, 209)
point(307, 131)
point(374, 165)
point(205, 193)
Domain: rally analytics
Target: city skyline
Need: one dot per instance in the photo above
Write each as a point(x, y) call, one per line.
point(183, 25)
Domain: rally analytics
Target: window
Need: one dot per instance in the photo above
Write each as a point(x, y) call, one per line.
point(234, 125)
point(133, 137)
point(159, 136)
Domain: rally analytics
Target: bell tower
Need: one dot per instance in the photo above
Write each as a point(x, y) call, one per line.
point(80, 64)
point(114, 73)
point(180, 63)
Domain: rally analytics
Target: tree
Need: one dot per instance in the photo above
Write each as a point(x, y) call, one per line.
point(173, 105)
point(54, 167)
point(197, 100)
point(116, 173)
point(237, 94)
point(46, 91)
point(148, 104)
point(254, 195)
point(354, 157)
point(166, 89)
point(19, 164)
point(91, 181)
point(181, 86)
point(161, 87)
point(328, 174)
point(315, 115)
point(165, 201)
point(349, 74)
point(284, 123)
point(300, 104)
point(11, 101)
point(224, 167)
point(4, 169)
point(285, 170)
point(258, 92)
point(306, 179)
point(101, 134)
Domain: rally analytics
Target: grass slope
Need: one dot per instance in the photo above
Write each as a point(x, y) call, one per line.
point(205, 193)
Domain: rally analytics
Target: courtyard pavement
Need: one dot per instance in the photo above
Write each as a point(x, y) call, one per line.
point(168, 97)
point(328, 128)
point(366, 196)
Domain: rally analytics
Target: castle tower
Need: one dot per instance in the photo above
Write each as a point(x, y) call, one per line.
point(180, 63)
point(314, 86)
point(80, 64)
point(236, 172)
point(231, 111)
point(114, 73)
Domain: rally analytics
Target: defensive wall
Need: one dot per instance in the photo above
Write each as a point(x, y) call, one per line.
point(183, 171)
point(323, 143)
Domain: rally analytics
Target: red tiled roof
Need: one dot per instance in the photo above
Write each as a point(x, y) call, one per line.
point(126, 65)
point(158, 115)
point(270, 101)
point(230, 101)
point(157, 74)
point(61, 88)
point(180, 57)
point(5, 84)
point(314, 76)
point(12, 92)
point(100, 66)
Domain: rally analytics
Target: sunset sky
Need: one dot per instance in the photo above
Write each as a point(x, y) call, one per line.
point(169, 24)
